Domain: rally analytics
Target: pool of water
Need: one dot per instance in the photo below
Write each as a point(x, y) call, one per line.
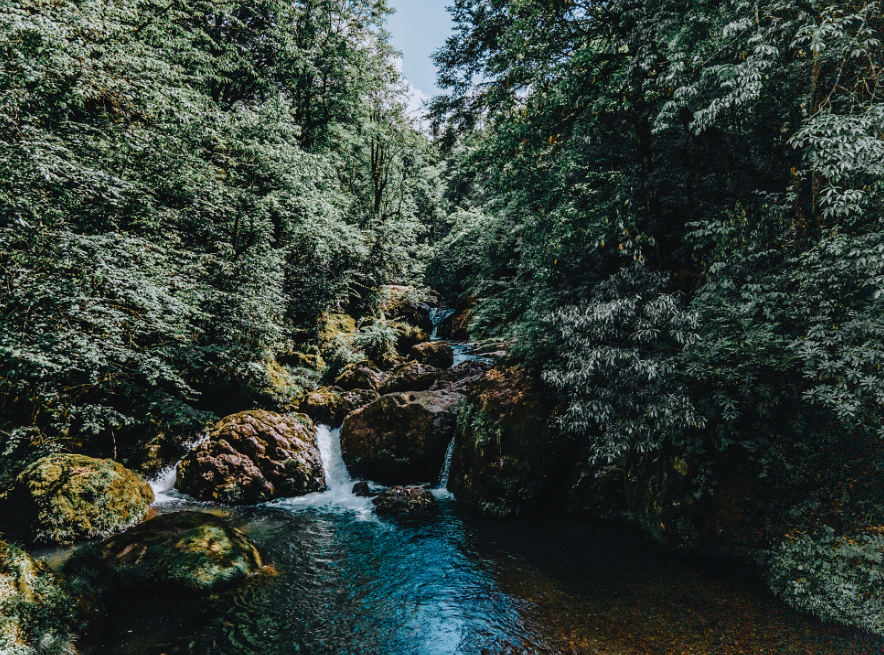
point(347, 582)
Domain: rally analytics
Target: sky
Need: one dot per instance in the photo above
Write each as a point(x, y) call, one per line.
point(418, 28)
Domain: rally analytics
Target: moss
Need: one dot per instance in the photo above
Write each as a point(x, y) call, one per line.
point(39, 613)
point(65, 498)
point(189, 551)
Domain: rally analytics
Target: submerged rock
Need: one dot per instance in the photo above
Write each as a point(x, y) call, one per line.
point(66, 498)
point(186, 551)
point(252, 457)
point(39, 613)
point(400, 438)
point(507, 454)
point(412, 376)
point(329, 406)
point(362, 375)
point(433, 353)
point(400, 501)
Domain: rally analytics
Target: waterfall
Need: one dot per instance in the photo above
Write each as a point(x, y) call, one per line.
point(436, 318)
point(446, 467)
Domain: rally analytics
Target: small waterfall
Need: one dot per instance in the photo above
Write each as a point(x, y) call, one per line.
point(436, 318)
point(446, 467)
point(163, 485)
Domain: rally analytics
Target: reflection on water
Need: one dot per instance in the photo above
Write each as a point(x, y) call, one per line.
point(350, 583)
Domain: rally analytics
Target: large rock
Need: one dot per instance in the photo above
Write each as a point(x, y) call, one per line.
point(329, 406)
point(412, 376)
point(362, 375)
point(396, 304)
point(66, 498)
point(400, 438)
point(433, 353)
point(184, 551)
point(462, 377)
point(508, 457)
point(405, 501)
point(38, 611)
point(252, 457)
point(408, 336)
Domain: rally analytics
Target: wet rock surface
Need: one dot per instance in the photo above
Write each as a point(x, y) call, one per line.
point(252, 457)
point(329, 406)
point(405, 501)
point(66, 498)
point(460, 378)
point(433, 353)
point(362, 375)
point(185, 551)
point(507, 456)
point(400, 438)
point(412, 376)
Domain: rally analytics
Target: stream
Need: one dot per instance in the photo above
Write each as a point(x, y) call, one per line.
point(347, 582)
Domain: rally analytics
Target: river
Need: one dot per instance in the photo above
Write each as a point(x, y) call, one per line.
point(347, 582)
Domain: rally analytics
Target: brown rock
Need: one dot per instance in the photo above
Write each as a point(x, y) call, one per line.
point(434, 353)
point(400, 501)
point(252, 457)
point(461, 377)
point(412, 376)
point(362, 375)
point(329, 406)
point(507, 452)
point(361, 489)
point(400, 438)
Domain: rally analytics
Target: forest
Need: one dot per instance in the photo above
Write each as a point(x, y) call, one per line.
point(663, 218)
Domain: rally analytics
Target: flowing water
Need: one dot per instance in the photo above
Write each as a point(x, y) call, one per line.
point(349, 583)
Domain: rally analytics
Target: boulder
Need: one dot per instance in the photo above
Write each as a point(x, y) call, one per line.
point(396, 304)
point(362, 375)
point(508, 456)
point(329, 406)
point(184, 551)
point(433, 353)
point(412, 376)
point(67, 498)
point(38, 611)
point(361, 489)
point(461, 377)
point(400, 438)
point(408, 336)
point(405, 501)
point(252, 457)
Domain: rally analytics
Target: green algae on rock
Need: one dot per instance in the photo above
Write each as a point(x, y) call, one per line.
point(66, 498)
point(185, 551)
point(252, 457)
point(39, 613)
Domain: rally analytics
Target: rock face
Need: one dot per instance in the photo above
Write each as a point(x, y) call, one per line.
point(433, 353)
point(67, 498)
point(363, 375)
point(412, 376)
point(38, 611)
point(400, 438)
point(186, 551)
point(405, 501)
point(507, 456)
point(329, 405)
point(252, 457)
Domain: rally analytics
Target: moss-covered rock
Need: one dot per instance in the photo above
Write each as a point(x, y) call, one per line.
point(39, 613)
point(412, 376)
point(66, 498)
point(407, 336)
point(253, 457)
point(433, 353)
point(360, 375)
point(184, 551)
point(405, 501)
point(507, 455)
point(329, 405)
point(401, 437)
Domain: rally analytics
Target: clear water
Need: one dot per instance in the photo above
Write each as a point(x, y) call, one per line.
point(349, 583)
